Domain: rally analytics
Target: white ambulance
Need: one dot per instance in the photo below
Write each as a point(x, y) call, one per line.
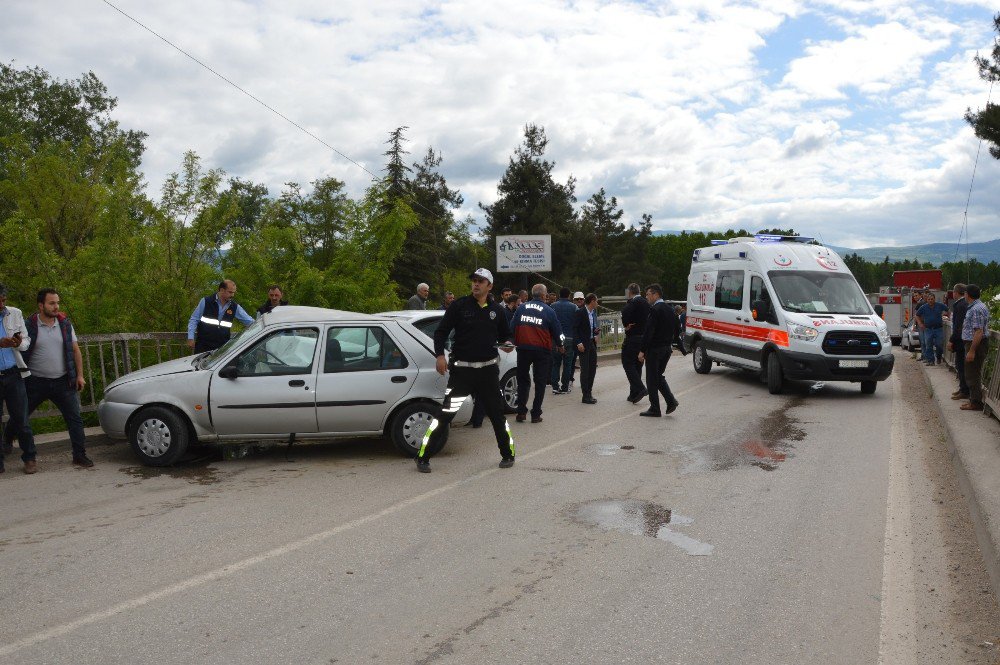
point(784, 308)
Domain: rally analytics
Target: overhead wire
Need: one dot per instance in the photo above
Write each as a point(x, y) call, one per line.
point(275, 111)
point(968, 200)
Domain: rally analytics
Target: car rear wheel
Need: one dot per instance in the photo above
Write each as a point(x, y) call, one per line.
point(410, 424)
point(775, 380)
point(702, 363)
point(159, 436)
point(508, 386)
point(868, 387)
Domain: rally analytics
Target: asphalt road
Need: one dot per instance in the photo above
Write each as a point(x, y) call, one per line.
point(745, 528)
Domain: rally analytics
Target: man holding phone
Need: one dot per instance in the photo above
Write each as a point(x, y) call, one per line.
point(13, 341)
point(56, 366)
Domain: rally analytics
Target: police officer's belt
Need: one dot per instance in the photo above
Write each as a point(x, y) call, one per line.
point(485, 363)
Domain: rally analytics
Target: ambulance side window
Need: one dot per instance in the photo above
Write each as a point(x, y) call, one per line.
point(729, 289)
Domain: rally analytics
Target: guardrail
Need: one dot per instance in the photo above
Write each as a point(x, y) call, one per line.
point(107, 357)
point(991, 375)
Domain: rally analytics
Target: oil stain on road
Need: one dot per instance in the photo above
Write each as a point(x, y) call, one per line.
point(764, 443)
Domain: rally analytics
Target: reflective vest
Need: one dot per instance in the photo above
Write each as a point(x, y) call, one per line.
point(213, 330)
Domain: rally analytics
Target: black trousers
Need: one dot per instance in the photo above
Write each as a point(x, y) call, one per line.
point(588, 368)
point(532, 365)
point(481, 383)
point(657, 358)
point(963, 387)
point(630, 363)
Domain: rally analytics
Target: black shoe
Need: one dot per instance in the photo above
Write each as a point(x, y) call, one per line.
point(589, 400)
point(638, 397)
point(423, 466)
point(506, 462)
point(650, 413)
point(521, 417)
point(558, 391)
point(536, 419)
point(672, 406)
point(476, 425)
point(82, 460)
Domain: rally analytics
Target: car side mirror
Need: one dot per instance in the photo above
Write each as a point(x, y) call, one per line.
point(229, 372)
point(880, 311)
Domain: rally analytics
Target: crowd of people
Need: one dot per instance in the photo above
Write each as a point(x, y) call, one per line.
point(554, 336)
point(969, 339)
point(548, 333)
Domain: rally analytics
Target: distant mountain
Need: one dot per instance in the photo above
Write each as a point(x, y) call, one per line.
point(936, 253)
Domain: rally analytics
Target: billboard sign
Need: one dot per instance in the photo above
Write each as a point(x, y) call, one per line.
point(524, 253)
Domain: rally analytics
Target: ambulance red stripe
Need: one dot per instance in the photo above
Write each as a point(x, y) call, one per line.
point(779, 337)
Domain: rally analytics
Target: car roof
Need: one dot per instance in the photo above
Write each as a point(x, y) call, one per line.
point(300, 314)
point(412, 313)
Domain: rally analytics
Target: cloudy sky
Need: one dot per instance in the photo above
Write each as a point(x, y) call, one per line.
point(839, 118)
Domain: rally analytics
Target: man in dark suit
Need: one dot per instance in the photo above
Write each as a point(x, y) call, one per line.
point(634, 316)
point(585, 332)
point(661, 330)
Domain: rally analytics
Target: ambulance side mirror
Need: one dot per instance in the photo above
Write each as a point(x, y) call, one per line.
point(880, 311)
point(759, 310)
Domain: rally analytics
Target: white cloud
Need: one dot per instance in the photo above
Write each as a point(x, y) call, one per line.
point(664, 105)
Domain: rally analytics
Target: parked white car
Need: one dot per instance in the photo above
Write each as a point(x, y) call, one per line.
point(910, 339)
point(427, 320)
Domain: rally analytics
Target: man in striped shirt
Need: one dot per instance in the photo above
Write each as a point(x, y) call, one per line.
point(975, 337)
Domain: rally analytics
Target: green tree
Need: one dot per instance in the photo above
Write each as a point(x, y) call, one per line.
point(613, 254)
point(530, 201)
point(986, 122)
point(437, 241)
point(185, 230)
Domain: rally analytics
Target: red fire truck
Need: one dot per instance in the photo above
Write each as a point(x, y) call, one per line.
point(899, 301)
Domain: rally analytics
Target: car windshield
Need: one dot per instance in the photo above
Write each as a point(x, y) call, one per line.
point(819, 292)
point(209, 361)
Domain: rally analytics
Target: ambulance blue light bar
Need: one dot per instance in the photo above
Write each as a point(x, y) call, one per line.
point(719, 242)
point(767, 237)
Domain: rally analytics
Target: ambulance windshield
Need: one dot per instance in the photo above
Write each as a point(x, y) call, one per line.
point(819, 292)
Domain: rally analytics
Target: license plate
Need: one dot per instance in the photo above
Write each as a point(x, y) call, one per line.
point(853, 363)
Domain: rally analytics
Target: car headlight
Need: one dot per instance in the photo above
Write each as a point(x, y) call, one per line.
point(883, 334)
point(803, 332)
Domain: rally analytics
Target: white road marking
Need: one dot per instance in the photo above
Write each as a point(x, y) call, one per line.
point(897, 620)
point(243, 564)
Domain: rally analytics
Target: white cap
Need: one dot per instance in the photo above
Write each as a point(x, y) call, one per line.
point(484, 273)
point(578, 294)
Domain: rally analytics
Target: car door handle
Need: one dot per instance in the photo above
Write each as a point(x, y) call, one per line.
point(296, 383)
point(399, 379)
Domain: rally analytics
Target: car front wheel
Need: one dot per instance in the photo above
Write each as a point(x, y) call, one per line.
point(158, 435)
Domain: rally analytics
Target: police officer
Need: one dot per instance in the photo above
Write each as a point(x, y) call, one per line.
point(212, 320)
point(474, 368)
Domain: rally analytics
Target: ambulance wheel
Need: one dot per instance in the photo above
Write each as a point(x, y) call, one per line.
point(702, 363)
point(775, 380)
point(868, 387)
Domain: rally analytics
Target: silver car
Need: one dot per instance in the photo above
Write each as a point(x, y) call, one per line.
point(301, 372)
point(427, 320)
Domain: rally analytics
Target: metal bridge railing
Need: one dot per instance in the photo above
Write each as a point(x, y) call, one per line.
point(991, 376)
point(107, 357)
